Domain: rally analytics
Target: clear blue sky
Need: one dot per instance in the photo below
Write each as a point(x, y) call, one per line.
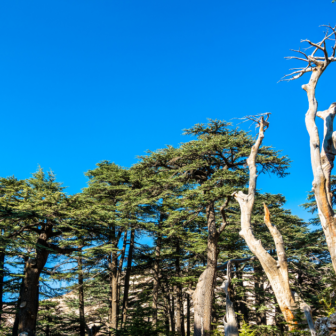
point(85, 81)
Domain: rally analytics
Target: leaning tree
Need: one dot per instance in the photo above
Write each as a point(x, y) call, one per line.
point(276, 270)
point(322, 159)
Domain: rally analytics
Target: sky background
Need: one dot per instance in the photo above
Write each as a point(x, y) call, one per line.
point(85, 81)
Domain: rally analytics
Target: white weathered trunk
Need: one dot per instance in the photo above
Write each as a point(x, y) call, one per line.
point(322, 161)
point(307, 312)
point(276, 271)
point(230, 319)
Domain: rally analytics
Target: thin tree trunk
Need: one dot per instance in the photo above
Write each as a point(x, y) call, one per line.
point(110, 294)
point(81, 296)
point(308, 314)
point(119, 271)
point(156, 279)
point(179, 313)
point(2, 266)
point(113, 272)
point(16, 321)
point(166, 309)
point(212, 254)
point(127, 277)
point(172, 312)
point(230, 319)
point(114, 290)
point(188, 315)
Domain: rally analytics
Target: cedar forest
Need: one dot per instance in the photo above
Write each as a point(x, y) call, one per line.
point(224, 258)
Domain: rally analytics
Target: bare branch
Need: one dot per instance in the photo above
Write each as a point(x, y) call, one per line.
point(319, 61)
point(222, 211)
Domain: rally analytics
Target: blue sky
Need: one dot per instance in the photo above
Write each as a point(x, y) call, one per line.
point(85, 81)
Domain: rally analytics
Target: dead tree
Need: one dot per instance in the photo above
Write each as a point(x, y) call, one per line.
point(230, 319)
point(322, 159)
point(276, 270)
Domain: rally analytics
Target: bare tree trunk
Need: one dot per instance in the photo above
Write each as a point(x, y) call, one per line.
point(16, 321)
point(172, 311)
point(127, 277)
point(113, 276)
point(156, 279)
point(179, 312)
point(307, 312)
point(81, 296)
point(2, 266)
point(119, 271)
point(188, 315)
point(166, 309)
point(114, 290)
point(230, 319)
point(212, 254)
point(110, 293)
point(276, 271)
point(322, 161)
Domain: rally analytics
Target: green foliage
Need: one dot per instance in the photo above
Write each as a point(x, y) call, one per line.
point(165, 197)
point(246, 330)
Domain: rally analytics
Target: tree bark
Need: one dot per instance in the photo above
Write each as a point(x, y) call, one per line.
point(27, 311)
point(203, 295)
point(172, 311)
point(16, 321)
point(204, 292)
point(113, 290)
point(156, 278)
point(81, 296)
point(308, 314)
point(119, 271)
point(179, 305)
point(188, 315)
point(2, 266)
point(113, 276)
point(322, 162)
point(127, 277)
point(276, 271)
point(166, 309)
point(230, 319)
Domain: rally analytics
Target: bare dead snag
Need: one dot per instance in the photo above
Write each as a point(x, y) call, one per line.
point(307, 312)
point(230, 319)
point(322, 160)
point(276, 271)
